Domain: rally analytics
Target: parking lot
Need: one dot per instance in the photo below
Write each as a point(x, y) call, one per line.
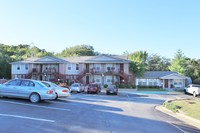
point(90, 113)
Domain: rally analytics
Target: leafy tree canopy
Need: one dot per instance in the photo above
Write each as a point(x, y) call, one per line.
point(10, 53)
point(78, 50)
point(157, 63)
point(137, 66)
point(179, 63)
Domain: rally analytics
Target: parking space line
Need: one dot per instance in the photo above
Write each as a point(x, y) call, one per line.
point(38, 106)
point(176, 127)
point(25, 117)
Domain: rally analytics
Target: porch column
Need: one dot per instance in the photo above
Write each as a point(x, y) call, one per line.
point(163, 83)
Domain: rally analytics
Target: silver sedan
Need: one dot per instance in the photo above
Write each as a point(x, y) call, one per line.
point(61, 92)
point(27, 89)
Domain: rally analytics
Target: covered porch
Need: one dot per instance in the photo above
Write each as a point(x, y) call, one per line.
point(173, 81)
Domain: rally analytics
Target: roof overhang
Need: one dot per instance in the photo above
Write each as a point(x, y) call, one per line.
point(173, 76)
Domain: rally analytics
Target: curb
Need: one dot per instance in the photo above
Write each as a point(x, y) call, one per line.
point(189, 120)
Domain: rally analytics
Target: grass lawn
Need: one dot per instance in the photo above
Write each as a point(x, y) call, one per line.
point(150, 89)
point(188, 107)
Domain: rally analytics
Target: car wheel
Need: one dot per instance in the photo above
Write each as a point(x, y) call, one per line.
point(56, 96)
point(34, 97)
point(185, 91)
point(194, 94)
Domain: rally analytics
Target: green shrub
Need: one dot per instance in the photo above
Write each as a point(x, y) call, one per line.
point(122, 86)
point(170, 106)
point(105, 85)
point(134, 86)
point(128, 86)
point(196, 81)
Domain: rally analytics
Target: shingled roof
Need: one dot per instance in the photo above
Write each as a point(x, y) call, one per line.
point(156, 74)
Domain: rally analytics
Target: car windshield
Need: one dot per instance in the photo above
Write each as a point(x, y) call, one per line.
point(74, 85)
point(40, 84)
point(92, 85)
point(53, 84)
point(47, 84)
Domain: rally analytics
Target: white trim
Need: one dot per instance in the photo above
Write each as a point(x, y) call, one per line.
point(25, 117)
point(173, 74)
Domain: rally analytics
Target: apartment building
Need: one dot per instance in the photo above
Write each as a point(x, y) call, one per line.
point(100, 69)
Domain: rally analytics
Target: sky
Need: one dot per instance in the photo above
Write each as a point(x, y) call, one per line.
point(111, 26)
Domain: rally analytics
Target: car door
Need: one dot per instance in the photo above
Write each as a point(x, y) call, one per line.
point(10, 88)
point(25, 89)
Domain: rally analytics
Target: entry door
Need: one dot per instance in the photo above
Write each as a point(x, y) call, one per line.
point(166, 83)
point(87, 68)
point(122, 67)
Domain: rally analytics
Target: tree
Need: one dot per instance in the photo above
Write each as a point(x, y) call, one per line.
point(10, 53)
point(157, 63)
point(179, 63)
point(137, 66)
point(78, 50)
point(193, 69)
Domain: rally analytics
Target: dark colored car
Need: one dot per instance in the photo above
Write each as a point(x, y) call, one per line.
point(93, 88)
point(112, 89)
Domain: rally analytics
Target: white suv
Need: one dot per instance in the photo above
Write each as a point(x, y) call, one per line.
point(193, 89)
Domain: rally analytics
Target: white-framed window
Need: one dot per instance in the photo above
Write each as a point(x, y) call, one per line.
point(97, 67)
point(77, 66)
point(26, 66)
point(18, 67)
point(69, 67)
point(97, 80)
point(152, 82)
point(109, 80)
point(108, 68)
point(178, 82)
point(142, 82)
point(113, 68)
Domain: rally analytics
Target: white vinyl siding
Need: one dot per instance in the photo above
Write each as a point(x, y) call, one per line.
point(20, 69)
point(97, 67)
point(72, 69)
point(97, 79)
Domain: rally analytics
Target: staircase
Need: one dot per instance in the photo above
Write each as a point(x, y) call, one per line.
point(81, 75)
point(29, 76)
point(125, 76)
point(58, 76)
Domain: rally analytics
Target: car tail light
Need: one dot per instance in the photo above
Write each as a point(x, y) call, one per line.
point(64, 90)
point(50, 92)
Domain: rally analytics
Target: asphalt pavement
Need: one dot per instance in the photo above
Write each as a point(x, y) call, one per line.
point(90, 113)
